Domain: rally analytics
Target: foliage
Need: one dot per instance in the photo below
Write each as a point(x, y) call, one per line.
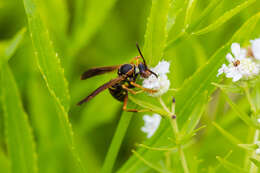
point(46, 45)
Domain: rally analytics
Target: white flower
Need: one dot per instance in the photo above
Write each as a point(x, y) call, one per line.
point(239, 65)
point(151, 123)
point(256, 48)
point(162, 83)
point(162, 68)
point(257, 151)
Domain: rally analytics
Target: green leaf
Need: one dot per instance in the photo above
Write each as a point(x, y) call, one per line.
point(149, 106)
point(209, 9)
point(246, 30)
point(152, 166)
point(195, 116)
point(88, 21)
point(4, 162)
point(230, 166)
point(116, 142)
point(156, 31)
point(187, 98)
point(256, 162)
point(21, 146)
point(243, 116)
point(189, 12)
point(248, 147)
point(53, 74)
point(229, 88)
point(47, 59)
point(11, 46)
point(225, 133)
point(225, 17)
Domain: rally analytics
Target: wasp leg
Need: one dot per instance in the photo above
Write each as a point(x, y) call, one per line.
point(130, 90)
point(145, 89)
point(132, 110)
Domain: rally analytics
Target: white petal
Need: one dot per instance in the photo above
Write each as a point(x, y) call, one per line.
point(256, 48)
point(162, 67)
point(237, 77)
point(235, 49)
point(243, 54)
point(151, 123)
point(222, 70)
point(257, 151)
point(161, 84)
point(230, 58)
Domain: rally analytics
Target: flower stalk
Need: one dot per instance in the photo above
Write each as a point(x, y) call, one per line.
point(175, 129)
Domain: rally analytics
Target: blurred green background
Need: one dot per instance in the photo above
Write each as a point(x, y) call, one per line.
point(95, 33)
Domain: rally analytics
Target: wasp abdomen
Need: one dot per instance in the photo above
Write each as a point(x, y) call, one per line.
point(118, 92)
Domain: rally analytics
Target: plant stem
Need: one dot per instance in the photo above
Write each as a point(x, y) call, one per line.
point(174, 125)
point(116, 142)
point(248, 96)
point(253, 168)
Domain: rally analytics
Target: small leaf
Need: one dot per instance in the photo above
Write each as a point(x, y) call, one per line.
point(230, 166)
point(256, 162)
point(152, 166)
point(243, 116)
point(229, 88)
point(149, 106)
point(156, 31)
point(195, 116)
point(225, 133)
point(225, 17)
point(11, 46)
point(20, 143)
point(248, 147)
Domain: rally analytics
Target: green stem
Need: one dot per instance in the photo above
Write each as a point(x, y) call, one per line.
point(250, 100)
point(176, 132)
point(116, 142)
point(253, 168)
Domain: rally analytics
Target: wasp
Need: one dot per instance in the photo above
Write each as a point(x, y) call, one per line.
point(125, 81)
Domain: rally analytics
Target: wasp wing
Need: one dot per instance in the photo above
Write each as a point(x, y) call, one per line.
point(98, 71)
point(102, 88)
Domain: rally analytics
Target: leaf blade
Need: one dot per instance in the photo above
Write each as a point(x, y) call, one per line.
point(156, 31)
point(53, 74)
point(21, 146)
point(225, 17)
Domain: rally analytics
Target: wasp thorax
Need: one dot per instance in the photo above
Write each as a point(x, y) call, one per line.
point(124, 69)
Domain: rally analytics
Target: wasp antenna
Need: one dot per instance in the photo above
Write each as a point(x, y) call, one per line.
point(153, 73)
point(139, 50)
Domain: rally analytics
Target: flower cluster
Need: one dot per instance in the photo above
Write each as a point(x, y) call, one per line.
point(243, 63)
point(162, 83)
point(151, 123)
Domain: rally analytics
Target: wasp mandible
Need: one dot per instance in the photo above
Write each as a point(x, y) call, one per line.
point(124, 83)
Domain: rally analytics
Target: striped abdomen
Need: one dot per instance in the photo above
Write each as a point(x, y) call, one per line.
point(118, 92)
